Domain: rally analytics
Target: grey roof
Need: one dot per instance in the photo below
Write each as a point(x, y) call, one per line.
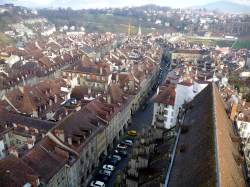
point(27, 121)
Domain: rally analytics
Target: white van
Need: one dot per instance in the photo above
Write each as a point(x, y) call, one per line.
point(97, 184)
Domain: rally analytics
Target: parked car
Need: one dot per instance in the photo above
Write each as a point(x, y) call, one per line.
point(121, 146)
point(132, 133)
point(97, 184)
point(128, 142)
point(104, 178)
point(112, 161)
point(121, 153)
point(108, 167)
point(117, 157)
point(105, 172)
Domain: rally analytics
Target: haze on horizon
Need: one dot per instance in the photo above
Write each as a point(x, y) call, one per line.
point(79, 4)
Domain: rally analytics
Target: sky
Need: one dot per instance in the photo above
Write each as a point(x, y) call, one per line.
point(115, 3)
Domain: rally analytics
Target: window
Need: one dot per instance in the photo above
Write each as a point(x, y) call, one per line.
point(18, 142)
point(87, 154)
point(81, 161)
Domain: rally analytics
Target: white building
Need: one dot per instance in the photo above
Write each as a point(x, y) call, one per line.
point(245, 74)
point(170, 99)
point(243, 120)
point(49, 31)
point(164, 107)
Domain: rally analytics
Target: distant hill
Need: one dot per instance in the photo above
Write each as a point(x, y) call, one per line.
point(225, 6)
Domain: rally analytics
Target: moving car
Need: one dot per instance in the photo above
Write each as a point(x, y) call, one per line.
point(105, 172)
point(112, 161)
point(121, 153)
point(128, 142)
point(121, 146)
point(132, 133)
point(108, 167)
point(117, 157)
point(97, 184)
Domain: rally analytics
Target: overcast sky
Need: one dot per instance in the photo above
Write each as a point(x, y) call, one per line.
point(115, 3)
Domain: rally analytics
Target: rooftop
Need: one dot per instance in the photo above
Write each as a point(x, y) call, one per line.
point(199, 160)
point(166, 95)
point(15, 172)
point(43, 125)
point(52, 156)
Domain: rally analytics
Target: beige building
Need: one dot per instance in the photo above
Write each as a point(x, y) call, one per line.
point(188, 54)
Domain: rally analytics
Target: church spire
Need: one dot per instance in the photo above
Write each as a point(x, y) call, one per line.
point(129, 28)
point(139, 31)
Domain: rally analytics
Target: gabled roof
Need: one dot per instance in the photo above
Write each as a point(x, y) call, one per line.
point(82, 125)
point(166, 95)
point(46, 158)
point(42, 125)
point(15, 172)
point(206, 154)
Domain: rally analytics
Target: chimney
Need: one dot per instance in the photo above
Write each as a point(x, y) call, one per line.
point(69, 140)
point(50, 102)
point(243, 102)
point(30, 144)
point(60, 134)
point(89, 90)
point(13, 151)
point(108, 99)
point(117, 78)
point(55, 98)
point(101, 70)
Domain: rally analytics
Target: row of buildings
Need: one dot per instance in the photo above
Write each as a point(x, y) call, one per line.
point(199, 131)
point(198, 84)
point(55, 132)
point(30, 62)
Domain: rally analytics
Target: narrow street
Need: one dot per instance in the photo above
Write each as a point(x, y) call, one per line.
point(141, 119)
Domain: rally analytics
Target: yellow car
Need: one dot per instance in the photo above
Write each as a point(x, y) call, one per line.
point(132, 133)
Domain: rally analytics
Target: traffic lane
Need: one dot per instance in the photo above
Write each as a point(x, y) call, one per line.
point(142, 118)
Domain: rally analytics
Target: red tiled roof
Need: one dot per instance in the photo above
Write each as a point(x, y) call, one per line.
point(166, 95)
point(45, 159)
point(14, 172)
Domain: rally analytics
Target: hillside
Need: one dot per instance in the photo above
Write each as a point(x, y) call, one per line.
point(225, 6)
point(101, 20)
